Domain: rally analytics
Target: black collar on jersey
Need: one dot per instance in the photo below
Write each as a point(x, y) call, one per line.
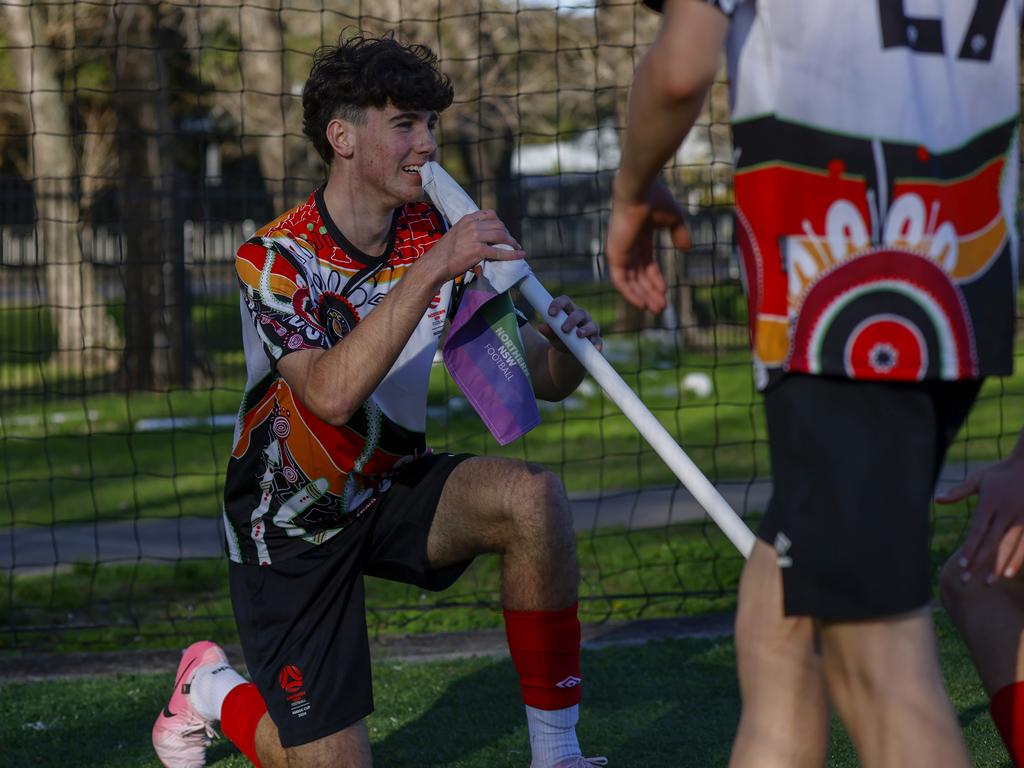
point(345, 244)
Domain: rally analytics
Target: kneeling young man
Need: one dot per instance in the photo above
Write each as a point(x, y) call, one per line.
point(344, 299)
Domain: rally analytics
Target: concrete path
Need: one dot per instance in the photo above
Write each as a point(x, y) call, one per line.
point(40, 549)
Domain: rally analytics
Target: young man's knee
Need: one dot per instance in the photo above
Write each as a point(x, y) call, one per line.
point(536, 488)
point(539, 507)
point(963, 600)
point(953, 592)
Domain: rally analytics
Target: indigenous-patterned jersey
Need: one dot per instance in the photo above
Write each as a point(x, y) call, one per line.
point(876, 184)
point(293, 480)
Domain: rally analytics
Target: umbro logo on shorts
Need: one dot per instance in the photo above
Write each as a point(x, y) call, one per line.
point(570, 682)
point(782, 545)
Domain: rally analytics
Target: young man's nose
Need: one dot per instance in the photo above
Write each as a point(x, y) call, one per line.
point(426, 143)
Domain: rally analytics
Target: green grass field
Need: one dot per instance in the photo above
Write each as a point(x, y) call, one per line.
point(665, 704)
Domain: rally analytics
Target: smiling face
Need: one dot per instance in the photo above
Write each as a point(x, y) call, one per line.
point(385, 151)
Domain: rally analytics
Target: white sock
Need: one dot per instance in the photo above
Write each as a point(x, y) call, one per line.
point(552, 734)
point(210, 686)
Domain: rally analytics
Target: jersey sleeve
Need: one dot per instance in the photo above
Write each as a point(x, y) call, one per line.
point(728, 7)
point(276, 292)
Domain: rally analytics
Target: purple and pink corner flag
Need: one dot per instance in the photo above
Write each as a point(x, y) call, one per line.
point(484, 354)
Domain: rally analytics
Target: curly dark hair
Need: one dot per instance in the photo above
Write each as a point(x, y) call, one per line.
point(363, 72)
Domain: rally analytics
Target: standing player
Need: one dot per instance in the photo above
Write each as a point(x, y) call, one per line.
point(344, 299)
point(876, 183)
point(983, 591)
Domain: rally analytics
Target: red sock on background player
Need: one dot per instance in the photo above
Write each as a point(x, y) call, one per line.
point(1007, 711)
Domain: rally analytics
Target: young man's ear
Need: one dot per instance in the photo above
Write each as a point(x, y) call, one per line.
point(341, 137)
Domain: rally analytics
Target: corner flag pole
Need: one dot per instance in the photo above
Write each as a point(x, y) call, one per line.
point(454, 203)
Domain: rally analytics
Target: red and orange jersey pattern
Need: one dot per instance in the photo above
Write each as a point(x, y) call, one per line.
point(294, 480)
point(877, 167)
point(875, 260)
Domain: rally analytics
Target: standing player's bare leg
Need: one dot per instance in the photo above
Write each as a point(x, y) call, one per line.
point(990, 619)
point(884, 680)
point(520, 511)
point(784, 722)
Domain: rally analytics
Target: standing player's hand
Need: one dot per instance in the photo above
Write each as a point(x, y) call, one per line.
point(471, 240)
point(577, 318)
point(996, 534)
point(630, 246)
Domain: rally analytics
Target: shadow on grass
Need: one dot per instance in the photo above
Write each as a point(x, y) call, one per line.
point(661, 704)
point(968, 716)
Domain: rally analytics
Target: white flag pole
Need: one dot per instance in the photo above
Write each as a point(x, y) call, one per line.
point(454, 203)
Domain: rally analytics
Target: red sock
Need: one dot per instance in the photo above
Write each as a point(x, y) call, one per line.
point(545, 647)
point(1007, 710)
point(241, 712)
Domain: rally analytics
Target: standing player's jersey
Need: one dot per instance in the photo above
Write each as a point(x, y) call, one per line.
point(876, 184)
point(293, 480)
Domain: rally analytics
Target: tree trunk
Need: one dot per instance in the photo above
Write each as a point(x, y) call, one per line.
point(87, 338)
point(265, 95)
point(157, 349)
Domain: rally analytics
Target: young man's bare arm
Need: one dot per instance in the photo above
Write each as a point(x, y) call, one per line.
point(669, 89)
point(335, 383)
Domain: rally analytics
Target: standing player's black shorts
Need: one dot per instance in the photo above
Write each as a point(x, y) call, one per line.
point(302, 622)
point(854, 467)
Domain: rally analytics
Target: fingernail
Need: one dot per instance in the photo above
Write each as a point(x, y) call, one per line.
point(962, 562)
point(1008, 573)
point(990, 579)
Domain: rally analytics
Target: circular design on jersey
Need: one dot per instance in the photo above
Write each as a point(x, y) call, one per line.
point(338, 315)
point(294, 341)
point(282, 427)
point(358, 296)
point(887, 314)
point(883, 344)
point(290, 474)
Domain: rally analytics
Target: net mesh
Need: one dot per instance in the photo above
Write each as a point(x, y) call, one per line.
point(142, 142)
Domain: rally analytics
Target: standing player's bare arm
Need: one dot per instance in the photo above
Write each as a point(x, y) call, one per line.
point(669, 90)
point(334, 383)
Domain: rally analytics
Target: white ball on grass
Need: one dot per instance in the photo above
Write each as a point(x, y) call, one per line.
point(697, 383)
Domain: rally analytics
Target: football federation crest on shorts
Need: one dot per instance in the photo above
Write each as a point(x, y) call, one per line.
point(292, 684)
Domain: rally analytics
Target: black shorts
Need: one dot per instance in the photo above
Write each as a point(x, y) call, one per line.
point(854, 467)
point(302, 621)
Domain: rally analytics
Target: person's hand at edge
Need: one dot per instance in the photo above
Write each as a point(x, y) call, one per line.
point(996, 534)
point(630, 246)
